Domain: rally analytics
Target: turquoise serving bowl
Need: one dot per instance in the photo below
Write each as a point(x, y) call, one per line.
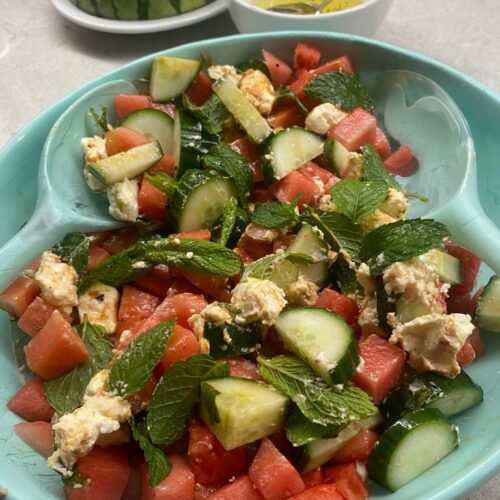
point(25, 475)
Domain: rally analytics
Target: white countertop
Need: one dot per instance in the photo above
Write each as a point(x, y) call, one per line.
point(46, 57)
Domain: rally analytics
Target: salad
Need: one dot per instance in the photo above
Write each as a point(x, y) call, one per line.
point(268, 323)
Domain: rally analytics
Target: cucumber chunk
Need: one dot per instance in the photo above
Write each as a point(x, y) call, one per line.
point(289, 150)
point(155, 125)
point(244, 112)
point(240, 411)
point(171, 76)
point(232, 339)
point(322, 339)
point(199, 199)
point(337, 156)
point(128, 164)
point(487, 315)
point(449, 268)
point(407, 310)
point(411, 446)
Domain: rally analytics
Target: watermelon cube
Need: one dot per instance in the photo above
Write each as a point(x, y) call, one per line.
point(357, 448)
point(356, 129)
point(320, 492)
point(337, 64)
point(136, 304)
point(156, 282)
point(37, 435)
point(30, 402)
point(201, 89)
point(35, 316)
point(16, 298)
point(279, 70)
point(381, 144)
point(466, 355)
point(347, 481)
point(122, 139)
point(187, 304)
point(181, 345)
point(242, 367)
point(120, 239)
point(401, 162)
point(125, 104)
point(305, 56)
point(296, 183)
point(313, 477)
point(97, 255)
point(241, 489)
point(152, 201)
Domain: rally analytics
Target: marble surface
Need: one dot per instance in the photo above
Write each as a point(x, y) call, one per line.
point(43, 57)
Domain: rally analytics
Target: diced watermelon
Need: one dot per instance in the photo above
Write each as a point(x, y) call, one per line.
point(305, 56)
point(296, 183)
point(241, 489)
point(16, 298)
point(56, 349)
point(249, 150)
point(152, 201)
point(182, 285)
point(156, 282)
point(477, 343)
point(215, 286)
point(178, 485)
point(187, 304)
point(381, 144)
point(285, 114)
point(211, 463)
point(357, 448)
point(313, 477)
point(466, 355)
point(201, 89)
point(99, 237)
point(97, 255)
point(37, 435)
point(136, 304)
point(354, 130)
point(122, 139)
point(30, 402)
point(338, 303)
point(274, 476)
point(181, 345)
point(262, 193)
point(125, 104)
point(241, 367)
point(165, 165)
point(320, 492)
point(282, 242)
point(342, 62)
point(281, 442)
point(108, 470)
point(299, 83)
point(133, 490)
point(382, 369)
point(35, 317)
point(246, 259)
point(255, 248)
point(279, 70)
point(140, 399)
point(201, 234)
point(347, 481)
point(203, 492)
point(401, 162)
point(316, 173)
point(120, 239)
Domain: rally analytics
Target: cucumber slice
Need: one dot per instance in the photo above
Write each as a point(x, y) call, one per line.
point(240, 411)
point(411, 446)
point(199, 199)
point(448, 267)
point(320, 451)
point(232, 339)
point(171, 76)
point(428, 390)
point(288, 150)
point(409, 310)
point(127, 10)
point(155, 125)
point(487, 315)
point(337, 156)
point(128, 164)
point(160, 8)
point(322, 339)
point(242, 110)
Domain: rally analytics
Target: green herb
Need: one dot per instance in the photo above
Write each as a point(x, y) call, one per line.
point(101, 120)
point(75, 480)
point(233, 339)
point(225, 160)
point(275, 214)
point(340, 88)
point(134, 367)
point(346, 277)
point(356, 198)
point(255, 63)
point(261, 268)
point(300, 430)
point(418, 196)
point(65, 393)
point(374, 168)
point(163, 182)
point(212, 114)
point(220, 370)
point(228, 221)
point(400, 241)
point(174, 398)
point(316, 400)
point(159, 466)
point(299, 258)
point(74, 249)
point(288, 93)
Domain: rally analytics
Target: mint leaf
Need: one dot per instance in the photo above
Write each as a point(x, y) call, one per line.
point(299, 258)
point(261, 268)
point(225, 160)
point(275, 214)
point(74, 250)
point(65, 393)
point(374, 168)
point(288, 93)
point(101, 120)
point(163, 182)
point(400, 241)
point(356, 198)
point(220, 370)
point(159, 466)
point(228, 221)
point(346, 277)
point(174, 398)
point(255, 63)
point(340, 88)
point(134, 367)
point(300, 430)
point(315, 399)
point(212, 114)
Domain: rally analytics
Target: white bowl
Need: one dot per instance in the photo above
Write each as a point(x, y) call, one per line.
point(361, 20)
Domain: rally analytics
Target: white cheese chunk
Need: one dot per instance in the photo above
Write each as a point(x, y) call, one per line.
point(123, 201)
point(302, 292)
point(258, 89)
point(322, 117)
point(99, 305)
point(396, 204)
point(218, 71)
point(94, 148)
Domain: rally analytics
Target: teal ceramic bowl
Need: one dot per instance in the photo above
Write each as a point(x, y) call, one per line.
point(478, 458)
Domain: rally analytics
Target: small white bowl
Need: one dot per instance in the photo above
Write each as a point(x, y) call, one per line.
point(363, 19)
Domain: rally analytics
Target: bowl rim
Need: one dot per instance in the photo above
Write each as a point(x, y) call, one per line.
point(365, 5)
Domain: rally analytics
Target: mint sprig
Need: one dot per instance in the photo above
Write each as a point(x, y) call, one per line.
point(261, 268)
point(374, 168)
point(212, 114)
point(163, 182)
point(65, 393)
point(134, 367)
point(275, 214)
point(74, 250)
point(228, 221)
point(300, 430)
point(101, 120)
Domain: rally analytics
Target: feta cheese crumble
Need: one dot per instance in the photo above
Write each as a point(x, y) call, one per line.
point(99, 305)
point(258, 89)
point(322, 117)
point(94, 149)
point(396, 204)
point(123, 202)
point(302, 292)
point(218, 71)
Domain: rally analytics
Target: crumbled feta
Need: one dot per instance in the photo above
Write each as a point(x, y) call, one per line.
point(123, 201)
point(218, 71)
point(93, 183)
point(355, 168)
point(376, 219)
point(322, 117)
point(365, 279)
point(396, 204)
point(99, 304)
point(368, 314)
point(433, 341)
point(258, 299)
point(302, 292)
point(57, 281)
point(94, 148)
point(216, 314)
point(76, 433)
point(326, 203)
point(258, 89)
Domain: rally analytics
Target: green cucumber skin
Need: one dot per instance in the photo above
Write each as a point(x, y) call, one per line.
point(487, 315)
point(86, 5)
point(244, 338)
point(190, 139)
point(127, 10)
point(379, 460)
